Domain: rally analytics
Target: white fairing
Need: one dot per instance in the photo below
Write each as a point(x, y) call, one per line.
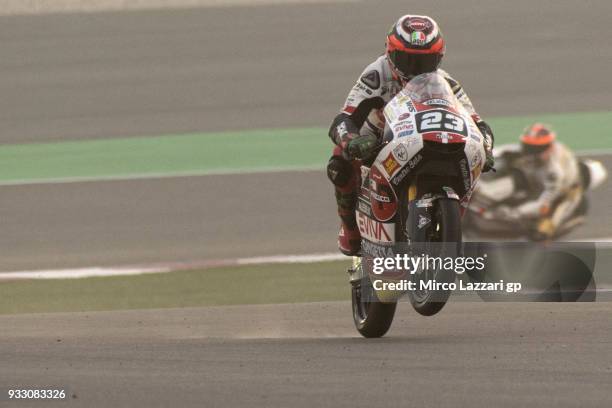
point(496, 190)
point(407, 142)
point(598, 173)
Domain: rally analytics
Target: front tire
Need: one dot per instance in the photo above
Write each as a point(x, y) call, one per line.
point(448, 230)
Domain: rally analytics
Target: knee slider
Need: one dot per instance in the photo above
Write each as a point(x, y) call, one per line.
point(339, 171)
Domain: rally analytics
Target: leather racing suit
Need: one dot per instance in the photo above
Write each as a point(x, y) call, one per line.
point(555, 184)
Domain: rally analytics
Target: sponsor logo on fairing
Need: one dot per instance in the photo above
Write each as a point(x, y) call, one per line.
point(405, 133)
point(364, 207)
point(390, 165)
point(404, 125)
point(465, 173)
point(380, 198)
point(450, 193)
point(376, 251)
point(373, 230)
point(410, 106)
point(423, 221)
point(442, 102)
point(401, 152)
point(404, 116)
point(412, 163)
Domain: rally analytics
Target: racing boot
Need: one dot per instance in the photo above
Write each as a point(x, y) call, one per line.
point(349, 238)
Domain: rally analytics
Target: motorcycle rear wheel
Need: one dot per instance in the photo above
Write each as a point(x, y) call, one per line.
point(372, 318)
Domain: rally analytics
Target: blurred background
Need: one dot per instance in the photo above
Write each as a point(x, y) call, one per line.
point(187, 131)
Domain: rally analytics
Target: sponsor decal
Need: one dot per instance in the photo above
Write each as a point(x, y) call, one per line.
point(376, 250)
point(476, 160)
point(443, 102)
point(405, 133)
point(410, 106)
point(341, 130)
point(463, 167)
point(424, 202)
point(404, 125)
point(364, 207)
point(390, 164)
point(412, 163)
point(371, 79)
point(363, 88)
point(423, 221)
point(474, 134)
point(417, 24)
point(418, 38)
point(401, 152)
point(404, 116)
point(373, 230)
point(450, 193)
point(382, 199)
point(379, 198)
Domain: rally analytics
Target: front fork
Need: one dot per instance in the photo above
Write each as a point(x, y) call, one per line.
point(421, 212)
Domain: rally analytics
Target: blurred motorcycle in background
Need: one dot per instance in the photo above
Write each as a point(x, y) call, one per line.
point(490, 213)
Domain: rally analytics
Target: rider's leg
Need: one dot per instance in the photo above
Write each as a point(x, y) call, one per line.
point(564, 211)
point(566, 208)
point(345, 176)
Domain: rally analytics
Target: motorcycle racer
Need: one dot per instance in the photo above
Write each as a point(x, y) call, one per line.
point(414, 46)
point(552, 174)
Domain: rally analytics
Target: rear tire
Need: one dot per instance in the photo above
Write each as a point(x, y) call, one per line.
point(372, 318)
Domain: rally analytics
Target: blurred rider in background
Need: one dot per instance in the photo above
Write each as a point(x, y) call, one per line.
point(414, 46)
point(552, 177)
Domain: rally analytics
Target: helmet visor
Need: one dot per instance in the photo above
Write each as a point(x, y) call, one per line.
point(410, 65)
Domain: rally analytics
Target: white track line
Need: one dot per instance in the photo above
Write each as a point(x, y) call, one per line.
point(27, 7)
point(164, 268)
point(312, 258)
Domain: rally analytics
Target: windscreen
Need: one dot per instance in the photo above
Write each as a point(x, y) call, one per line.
point(430, 86)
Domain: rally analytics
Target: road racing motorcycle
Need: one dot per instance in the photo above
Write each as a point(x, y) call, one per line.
point(487, 216)
point(412, 196)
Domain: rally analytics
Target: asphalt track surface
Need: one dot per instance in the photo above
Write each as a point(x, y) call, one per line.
point(309, 355)
point(105, 75)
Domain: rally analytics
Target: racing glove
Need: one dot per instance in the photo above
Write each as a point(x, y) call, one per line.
point(362, 147)
point(489, 139)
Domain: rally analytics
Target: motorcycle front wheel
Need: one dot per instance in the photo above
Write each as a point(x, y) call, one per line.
point(447, 227)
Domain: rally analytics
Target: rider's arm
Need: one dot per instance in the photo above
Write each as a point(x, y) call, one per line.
point(361, 100)
point(346, 125)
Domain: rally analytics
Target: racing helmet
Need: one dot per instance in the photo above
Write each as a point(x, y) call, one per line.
point(414, 46)
point(537, 139)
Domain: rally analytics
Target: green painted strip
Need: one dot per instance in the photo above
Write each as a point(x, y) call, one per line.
point(235, 152)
